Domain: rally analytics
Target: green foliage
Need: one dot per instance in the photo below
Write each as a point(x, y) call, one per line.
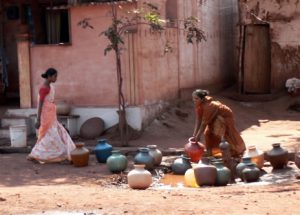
point(85, 23)
point(194, 33)
point(147, 16)
point(113, 36)
point(152, 16)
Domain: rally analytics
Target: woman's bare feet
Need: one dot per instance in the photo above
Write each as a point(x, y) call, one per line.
point(32, 159)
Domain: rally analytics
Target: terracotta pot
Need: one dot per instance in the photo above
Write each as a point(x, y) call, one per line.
point(242, 165)
point(92, 128)
point(205, 173)
point(116, 162)
point(155, 153)
point(103, 150)
point(251, 173)
point(181, 165)
point(143, 157)
point(80, 155)
point(257, 156)
point(63, 108)
point(139, 178)
point(278, 156)
point(223, 174)
point(194, 150)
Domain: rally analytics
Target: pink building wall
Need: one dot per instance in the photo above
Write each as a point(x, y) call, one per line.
point(88, 78)
point(284, 20)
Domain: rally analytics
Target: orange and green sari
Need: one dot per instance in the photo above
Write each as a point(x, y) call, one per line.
point(220, 123)
point(54, 143)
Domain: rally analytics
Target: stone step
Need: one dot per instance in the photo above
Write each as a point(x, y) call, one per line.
point(14, 120)
point(8, 121)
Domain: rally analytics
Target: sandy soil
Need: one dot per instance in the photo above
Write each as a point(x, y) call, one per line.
point(28, 188)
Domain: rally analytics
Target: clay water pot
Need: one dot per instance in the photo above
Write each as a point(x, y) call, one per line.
point(116, 162)
point(143, 157)
point(181, 165)
point(278, 156)
point(103, 150)
point(155, 153)
point(256, 155)
point(194, 150)
point(251, 173)
point(242, 165)
point(80, 155)
point(189, 178)
point(63, 108)
point(92, 128)
point(205, 173)
point(223, 174)
point(139, 178)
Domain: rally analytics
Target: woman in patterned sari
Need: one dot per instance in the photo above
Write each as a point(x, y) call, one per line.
point(215, 120)
point(54, 143)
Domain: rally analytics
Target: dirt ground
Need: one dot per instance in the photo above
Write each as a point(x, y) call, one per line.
point(29, 188)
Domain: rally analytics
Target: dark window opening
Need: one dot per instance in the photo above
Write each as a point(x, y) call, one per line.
point(47, 25)
point(54, 27)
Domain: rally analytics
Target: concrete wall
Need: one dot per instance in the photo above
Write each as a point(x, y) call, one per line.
point(211, 64)
point(284, 19)
point(87, 77)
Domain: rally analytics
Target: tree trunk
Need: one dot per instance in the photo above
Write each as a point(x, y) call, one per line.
point(123, 126)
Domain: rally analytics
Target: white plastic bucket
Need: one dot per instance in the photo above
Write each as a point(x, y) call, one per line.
point(18, 135)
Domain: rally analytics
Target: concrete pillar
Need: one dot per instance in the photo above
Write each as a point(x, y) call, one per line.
point(24, 68)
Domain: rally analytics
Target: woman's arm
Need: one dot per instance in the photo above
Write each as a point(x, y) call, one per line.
point(200, 131)
point(38, 119)
point(197, 126)
point(42, 94)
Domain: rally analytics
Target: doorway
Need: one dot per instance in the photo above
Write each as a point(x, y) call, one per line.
point(9, 74)
point(257, 60)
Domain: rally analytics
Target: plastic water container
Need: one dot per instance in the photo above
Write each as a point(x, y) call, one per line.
point(18, 135)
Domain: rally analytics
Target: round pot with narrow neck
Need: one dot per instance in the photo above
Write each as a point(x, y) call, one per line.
point(103, 150)
point(63, 108)
point(181, 165)
point(143, 157)
point(205, 173)
point(155, 153)
point(251, 173)
point(139, 177)
point(256, 155)
point(278, 156)
point(116, 162)
point(223, 174)
point(80, 155)
point(194, 150)
point(242, 165)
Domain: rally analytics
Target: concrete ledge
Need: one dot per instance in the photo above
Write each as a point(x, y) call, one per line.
point(128, 151)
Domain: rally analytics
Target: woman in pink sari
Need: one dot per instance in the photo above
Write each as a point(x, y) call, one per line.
point(54, 143)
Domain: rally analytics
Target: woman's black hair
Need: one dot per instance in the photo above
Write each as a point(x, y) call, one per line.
point(200, 93)
point(49, 72)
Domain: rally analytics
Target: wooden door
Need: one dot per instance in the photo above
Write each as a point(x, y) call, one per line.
point(257, 60)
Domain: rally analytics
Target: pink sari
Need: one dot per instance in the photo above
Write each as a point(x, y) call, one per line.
point(54, 143)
